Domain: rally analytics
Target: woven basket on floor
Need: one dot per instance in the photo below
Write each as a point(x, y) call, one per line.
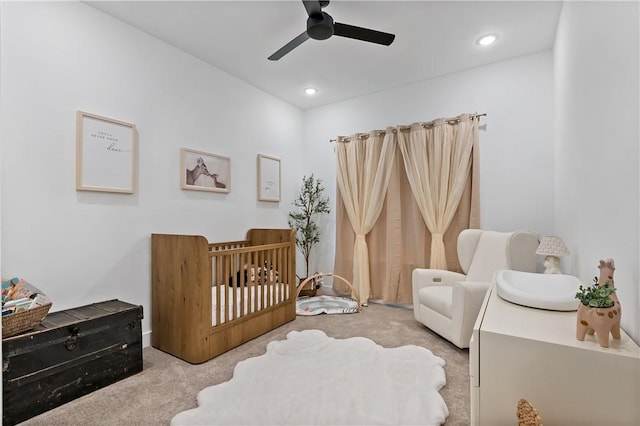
point(22, 321)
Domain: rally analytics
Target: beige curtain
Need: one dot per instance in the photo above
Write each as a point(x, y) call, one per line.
point(437, 159)
point(400, 241)
point(363, 170)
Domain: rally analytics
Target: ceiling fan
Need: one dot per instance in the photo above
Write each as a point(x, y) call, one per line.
point(320, 26)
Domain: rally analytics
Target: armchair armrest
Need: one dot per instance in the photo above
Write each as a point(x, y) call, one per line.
point(427, 277)
point(431, 277)
point(474, 289)
point(467, 301)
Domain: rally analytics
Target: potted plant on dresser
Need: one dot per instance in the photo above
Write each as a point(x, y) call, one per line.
point(310, 203)
point(599, 309)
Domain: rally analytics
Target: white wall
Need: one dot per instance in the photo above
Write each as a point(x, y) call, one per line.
point(83, 247)
point(516, 146)
point(596, 136)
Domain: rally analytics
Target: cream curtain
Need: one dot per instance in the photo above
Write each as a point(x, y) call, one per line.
point(437, 158)
point(400, 241)
point(363, 171)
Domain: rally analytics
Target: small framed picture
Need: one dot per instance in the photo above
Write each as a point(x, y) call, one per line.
point(268, 178)
point(203, 171)
point(106, 154)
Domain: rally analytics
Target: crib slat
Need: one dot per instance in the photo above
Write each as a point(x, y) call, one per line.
point(242, 260)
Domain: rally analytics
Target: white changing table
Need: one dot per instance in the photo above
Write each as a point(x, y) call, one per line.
point(519, 352)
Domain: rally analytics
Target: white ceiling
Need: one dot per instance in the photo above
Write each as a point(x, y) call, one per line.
point(433, 38)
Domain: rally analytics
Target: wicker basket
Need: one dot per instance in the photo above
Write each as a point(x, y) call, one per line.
point(22, 321)
point(527, 415)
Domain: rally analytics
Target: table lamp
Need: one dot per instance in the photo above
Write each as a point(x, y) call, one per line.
point(552, 248)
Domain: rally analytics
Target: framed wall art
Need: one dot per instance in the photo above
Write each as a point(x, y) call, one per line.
point(203, 171)
point(106, 154)
point(268, 178)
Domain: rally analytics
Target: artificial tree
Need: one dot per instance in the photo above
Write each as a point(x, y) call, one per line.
point(310, 203)
point(598, 295)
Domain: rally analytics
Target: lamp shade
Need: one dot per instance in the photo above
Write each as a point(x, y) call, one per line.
point(552, 246)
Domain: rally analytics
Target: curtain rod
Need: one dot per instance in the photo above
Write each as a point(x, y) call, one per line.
point(347, 139)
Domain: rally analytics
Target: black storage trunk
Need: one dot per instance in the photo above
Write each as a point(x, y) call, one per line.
point(70, 354)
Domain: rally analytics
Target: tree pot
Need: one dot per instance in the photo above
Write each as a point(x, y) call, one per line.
point(600, 321)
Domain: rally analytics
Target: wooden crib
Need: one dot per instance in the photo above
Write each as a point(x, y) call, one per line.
point(208, 298)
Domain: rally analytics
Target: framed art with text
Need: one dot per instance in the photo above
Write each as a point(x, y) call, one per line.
point(268, 178)
point(106, 154)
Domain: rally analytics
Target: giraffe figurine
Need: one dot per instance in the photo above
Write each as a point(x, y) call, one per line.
point(601, 321)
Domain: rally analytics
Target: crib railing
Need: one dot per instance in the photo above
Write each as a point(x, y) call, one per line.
point(247, 279)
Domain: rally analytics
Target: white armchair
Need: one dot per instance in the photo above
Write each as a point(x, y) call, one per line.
point(449, 302)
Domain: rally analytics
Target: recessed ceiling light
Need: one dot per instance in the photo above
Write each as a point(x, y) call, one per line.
point(488, 39)
point(310, 91)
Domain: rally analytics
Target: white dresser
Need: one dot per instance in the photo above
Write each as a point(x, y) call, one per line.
point(519, 352)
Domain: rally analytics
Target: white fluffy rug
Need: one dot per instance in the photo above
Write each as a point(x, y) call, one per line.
point(313, 379)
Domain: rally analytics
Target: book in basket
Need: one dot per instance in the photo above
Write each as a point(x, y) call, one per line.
point(23, 306)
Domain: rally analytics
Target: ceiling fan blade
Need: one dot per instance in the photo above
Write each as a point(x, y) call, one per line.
point(313, 7)
point(363, 34)
point(289, 46)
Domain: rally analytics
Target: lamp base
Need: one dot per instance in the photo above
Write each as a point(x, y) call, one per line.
point(552, 265)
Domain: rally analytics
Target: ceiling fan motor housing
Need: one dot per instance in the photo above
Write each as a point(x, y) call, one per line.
point(320, 27)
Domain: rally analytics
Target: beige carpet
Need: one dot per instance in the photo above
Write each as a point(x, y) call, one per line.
point(168, 385)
